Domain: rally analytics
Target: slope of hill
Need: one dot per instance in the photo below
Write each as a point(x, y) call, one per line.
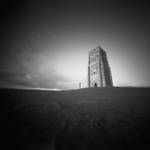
point(85, 119)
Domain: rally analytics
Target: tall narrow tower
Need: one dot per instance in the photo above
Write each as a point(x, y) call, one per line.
point(99, 74)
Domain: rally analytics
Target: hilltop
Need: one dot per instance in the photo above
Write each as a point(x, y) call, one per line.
point(84, 119)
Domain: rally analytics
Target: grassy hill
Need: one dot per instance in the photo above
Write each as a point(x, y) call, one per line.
point(84, 119)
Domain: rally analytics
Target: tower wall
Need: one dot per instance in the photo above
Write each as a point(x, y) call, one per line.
point(99, 73)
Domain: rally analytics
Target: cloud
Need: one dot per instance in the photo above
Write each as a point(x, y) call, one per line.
point(29, 65)
point(37, 78)
point(15, 79)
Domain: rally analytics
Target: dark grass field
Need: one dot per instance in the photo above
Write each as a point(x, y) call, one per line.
point(85, 119)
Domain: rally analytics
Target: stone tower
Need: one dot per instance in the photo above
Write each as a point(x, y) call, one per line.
point(99, 74)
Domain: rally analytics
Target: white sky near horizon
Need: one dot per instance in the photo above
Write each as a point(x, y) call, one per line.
point(71, 61)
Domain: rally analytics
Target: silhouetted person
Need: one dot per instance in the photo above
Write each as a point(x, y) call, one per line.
point(80, 85)
point(95, 84)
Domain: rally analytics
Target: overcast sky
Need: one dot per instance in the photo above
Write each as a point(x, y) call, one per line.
point(45, 44)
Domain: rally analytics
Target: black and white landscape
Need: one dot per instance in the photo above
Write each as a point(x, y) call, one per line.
point(45, 67)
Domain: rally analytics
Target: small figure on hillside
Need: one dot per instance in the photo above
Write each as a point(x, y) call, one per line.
point(80, 85)
point(95, 84)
